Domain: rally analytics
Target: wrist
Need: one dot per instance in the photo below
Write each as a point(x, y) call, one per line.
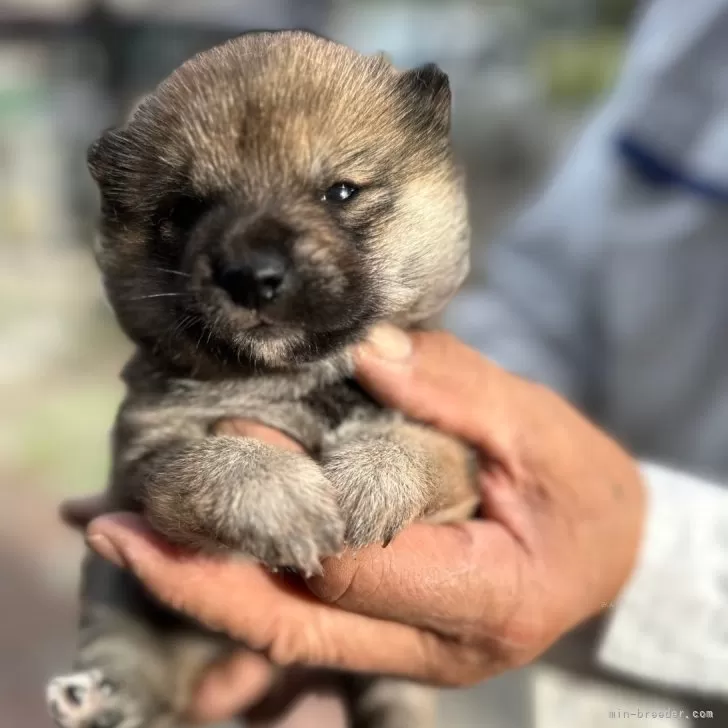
point(662, 626)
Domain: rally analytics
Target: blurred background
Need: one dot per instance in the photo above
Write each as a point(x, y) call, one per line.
point(523, 73)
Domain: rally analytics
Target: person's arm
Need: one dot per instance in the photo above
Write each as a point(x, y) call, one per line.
point(662, 127)
point(658, 142)
point(533, 316)
point(670, 624)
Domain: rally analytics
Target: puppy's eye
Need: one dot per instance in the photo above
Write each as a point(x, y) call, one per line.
point(180, 213)
point(340, 192)
point(186, 210)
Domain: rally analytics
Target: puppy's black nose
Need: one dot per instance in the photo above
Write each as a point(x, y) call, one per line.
point(255, 279)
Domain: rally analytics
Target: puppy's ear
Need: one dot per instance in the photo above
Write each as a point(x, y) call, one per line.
point(141, 105)
point(103, 155)
point(427, 91)
point(108, 154)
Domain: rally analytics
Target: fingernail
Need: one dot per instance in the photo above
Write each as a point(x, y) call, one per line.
point(388, 342)
point(107, 549)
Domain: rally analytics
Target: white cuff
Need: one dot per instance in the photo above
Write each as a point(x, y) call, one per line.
point(670, 625)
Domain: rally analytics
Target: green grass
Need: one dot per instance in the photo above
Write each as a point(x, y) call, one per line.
point(62, 440)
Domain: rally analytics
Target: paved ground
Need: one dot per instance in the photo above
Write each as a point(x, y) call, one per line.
point(36, 611)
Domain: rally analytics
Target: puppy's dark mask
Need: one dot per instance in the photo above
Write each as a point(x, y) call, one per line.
point(276, 196)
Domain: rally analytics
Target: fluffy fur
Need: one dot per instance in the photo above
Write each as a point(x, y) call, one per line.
point(237, 261)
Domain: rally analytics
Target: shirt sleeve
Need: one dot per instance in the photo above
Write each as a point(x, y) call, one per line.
point(538, 317)
point(670, 625)
point(534, 316)
point(538, 314)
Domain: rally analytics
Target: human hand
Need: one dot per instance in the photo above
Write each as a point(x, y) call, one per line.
point(451, 605)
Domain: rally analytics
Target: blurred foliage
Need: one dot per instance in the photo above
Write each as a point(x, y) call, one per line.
point(576, 68)
point(615, 13)
point(576, 13)
point(62, 440)
point(64, 352)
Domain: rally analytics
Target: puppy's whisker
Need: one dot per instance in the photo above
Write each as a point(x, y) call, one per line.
point(158, 295)
point(183, 325)
point(199, 341)
point(170, 271)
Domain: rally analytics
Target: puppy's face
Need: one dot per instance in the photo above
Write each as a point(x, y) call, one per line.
point(275, 197)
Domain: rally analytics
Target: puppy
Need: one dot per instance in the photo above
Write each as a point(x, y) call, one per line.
point(268, 203)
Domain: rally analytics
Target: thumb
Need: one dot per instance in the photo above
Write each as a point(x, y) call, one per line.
point(435, 577)
point(232, 686)
point(433, 377)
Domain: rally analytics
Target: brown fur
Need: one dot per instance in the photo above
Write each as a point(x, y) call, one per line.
point(231, 157)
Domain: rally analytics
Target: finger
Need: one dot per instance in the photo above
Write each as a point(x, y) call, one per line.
point(302, 698)
point(79, 512)
point(249, 428)
point(433, 377)
point(288, 625)
point(307, 710)
point(232, 686)
point(441, 578)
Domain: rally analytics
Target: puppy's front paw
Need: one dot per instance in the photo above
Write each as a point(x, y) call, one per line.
point(267, 503)
point(89, 700)
point(382, 485)
point(287, 516)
